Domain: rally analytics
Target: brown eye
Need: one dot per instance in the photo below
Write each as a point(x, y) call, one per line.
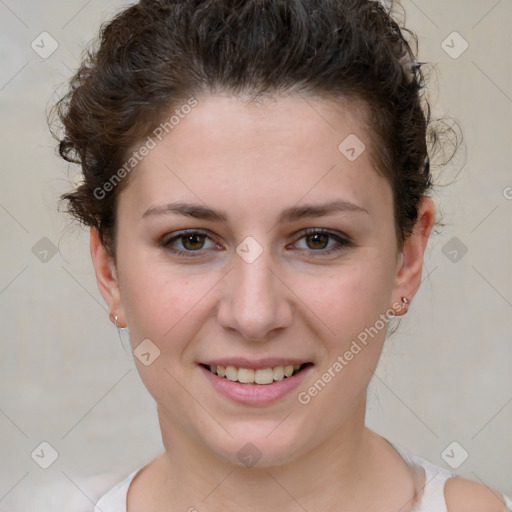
point(186, 243)
point(319, 242)
point(193, 241)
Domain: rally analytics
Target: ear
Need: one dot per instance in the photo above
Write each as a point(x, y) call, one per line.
point(410, 266)
point(106, 277)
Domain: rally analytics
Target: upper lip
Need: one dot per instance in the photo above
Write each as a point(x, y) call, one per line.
point(268, 362)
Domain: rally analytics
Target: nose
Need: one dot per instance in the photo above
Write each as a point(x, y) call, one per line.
point(255, 302)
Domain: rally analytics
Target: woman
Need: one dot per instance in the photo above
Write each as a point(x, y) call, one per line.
point(256, 179)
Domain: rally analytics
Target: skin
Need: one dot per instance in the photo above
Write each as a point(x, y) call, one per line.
point(252, 161)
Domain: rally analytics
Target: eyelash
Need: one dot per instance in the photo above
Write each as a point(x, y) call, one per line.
point(342, 240)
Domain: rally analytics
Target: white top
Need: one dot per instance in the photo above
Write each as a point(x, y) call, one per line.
point(432, 499)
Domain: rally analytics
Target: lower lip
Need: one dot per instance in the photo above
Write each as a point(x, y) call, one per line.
point(255, 394)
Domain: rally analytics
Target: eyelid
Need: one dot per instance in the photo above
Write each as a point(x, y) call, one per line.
point(169, 237)
point(325, 231)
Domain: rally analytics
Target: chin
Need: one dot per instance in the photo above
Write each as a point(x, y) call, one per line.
point(254, 447)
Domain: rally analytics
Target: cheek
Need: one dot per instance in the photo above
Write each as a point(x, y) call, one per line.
point(162, 301)
point(351, 297)
point(350, 304)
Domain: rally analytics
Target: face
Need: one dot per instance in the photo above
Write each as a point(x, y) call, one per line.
point(246, 238)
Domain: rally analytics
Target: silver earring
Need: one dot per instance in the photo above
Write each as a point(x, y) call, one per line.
point(405, 301)
point(124, 344)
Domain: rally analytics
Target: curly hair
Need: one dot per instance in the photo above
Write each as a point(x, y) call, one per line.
point(156, 55)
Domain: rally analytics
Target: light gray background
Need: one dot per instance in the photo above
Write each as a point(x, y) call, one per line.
point(445, 376)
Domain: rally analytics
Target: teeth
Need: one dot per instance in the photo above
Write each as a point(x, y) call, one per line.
point(265, 376)
point(245, 375)
point(278, 372)
point(250, 376)
point(231, 373)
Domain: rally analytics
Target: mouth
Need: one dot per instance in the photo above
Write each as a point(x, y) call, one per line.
point(261, 376)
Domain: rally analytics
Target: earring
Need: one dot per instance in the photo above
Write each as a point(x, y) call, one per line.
point(116, 324)
point(405, 302)
point(123, 343)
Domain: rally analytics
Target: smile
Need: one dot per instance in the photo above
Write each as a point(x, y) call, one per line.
point(255, 376)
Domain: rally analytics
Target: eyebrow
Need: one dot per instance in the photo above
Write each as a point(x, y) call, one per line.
point(290, 214)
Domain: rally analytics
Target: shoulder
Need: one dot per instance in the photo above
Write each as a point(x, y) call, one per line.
point(464, 495)
point(90, 490)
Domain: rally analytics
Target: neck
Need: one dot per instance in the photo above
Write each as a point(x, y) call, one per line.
point(198, 477)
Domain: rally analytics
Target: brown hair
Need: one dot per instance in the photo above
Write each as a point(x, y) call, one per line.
point(156, 55)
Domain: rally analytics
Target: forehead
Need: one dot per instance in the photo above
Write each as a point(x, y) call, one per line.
point(274, 151)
